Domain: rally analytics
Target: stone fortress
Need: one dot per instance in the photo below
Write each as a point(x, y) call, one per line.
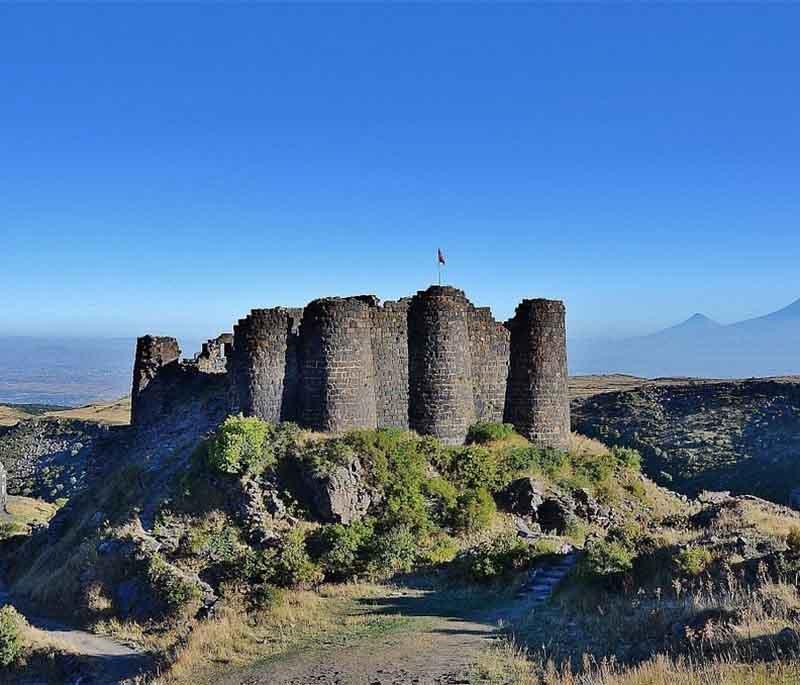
point(433, 363)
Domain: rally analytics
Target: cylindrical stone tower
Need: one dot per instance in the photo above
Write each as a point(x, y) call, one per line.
point(537, 400)
point(264, 364)
point(338, 372)
point(152, 354)
point(441, 400)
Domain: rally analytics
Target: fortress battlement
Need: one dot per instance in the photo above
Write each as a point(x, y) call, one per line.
point(433, 363)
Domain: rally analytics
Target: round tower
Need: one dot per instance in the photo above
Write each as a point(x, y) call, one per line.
point(263, 364)
point(338, 371)
point(441, 400)
point(537, 401)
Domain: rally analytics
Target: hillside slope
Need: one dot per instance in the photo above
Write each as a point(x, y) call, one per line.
point(742, 436)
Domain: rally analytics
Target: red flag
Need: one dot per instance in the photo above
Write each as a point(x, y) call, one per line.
point(441, 256)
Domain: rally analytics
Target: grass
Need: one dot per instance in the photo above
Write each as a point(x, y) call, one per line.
point(297, 620)
point(507, 664)
point(117, 412)
point(25, 512)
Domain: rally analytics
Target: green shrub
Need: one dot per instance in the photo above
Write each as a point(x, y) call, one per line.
point(693, 560)
point(606, 558)
point(295, 566)
point(793, 539)
point(473, 467)
point(175, 590)
point(443, 499)
point(240, 446)
point(11, 625)
point(441, 549)
point(394, 551)
point(475, 510)
point(345, 549)
point(495, 558)
point(627, 458)
point(480, 433)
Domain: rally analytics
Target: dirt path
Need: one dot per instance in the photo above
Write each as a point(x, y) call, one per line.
point(100, 659)
point(439, 647)
point(439, 654)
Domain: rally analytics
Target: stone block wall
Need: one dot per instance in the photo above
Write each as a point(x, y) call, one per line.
point(537, 399)
point(390, 355)
point(338, 371)
point(441, 399)
point(155, 358)
point(213, 357)
point(489, 346)
point(432, 363)
point(264, 364)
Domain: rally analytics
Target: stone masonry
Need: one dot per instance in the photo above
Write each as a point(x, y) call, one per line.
point(432, 363)
point(537, 398)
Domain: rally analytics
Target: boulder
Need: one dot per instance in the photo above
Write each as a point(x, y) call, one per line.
point(339, 495)
point(587, 507)
point(522, 496)
point(555, 514)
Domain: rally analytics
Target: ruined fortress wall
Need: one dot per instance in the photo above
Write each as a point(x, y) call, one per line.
point(537, 400)
point(213, 357)
point(154, 371)
point(489, 347)
point(390, 356)
point(264, 364)
point(441, 401)
point(433, 363)
point(338, 371)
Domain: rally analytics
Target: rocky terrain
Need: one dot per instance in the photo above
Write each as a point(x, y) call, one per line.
point(742, 436)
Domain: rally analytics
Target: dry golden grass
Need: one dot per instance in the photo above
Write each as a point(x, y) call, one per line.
point(117, 412)
point(297, 618)
point(24, 512)
point(506, 664)
point(10, 416)
point(580, 444)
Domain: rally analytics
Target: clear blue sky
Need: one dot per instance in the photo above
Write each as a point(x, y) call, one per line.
point(165, 169)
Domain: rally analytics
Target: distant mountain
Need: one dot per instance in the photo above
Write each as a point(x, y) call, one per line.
point(767, 345)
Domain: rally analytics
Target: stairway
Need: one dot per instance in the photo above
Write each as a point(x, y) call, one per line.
point(543, 580)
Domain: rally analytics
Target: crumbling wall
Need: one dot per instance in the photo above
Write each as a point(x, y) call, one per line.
point(390, 355)
point(433, 363)
point(264, 364)
point(155, 371)
point(213, 357)
point(537, 400)
point(338, 370)
point(441, 401)
point(489, 347)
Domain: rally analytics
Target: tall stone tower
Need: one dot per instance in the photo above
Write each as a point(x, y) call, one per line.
point(153, 355)
point(338, 371)
point(441, 399)
point(264, 364)
point(537, 396)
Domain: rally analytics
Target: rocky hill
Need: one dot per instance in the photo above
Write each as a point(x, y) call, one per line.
point(742, 436)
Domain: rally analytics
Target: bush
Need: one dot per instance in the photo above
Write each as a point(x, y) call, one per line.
point(11, 625)
point(627, 458)
point(394, 551)
point(495, 558)
point(693, 560)
point(295, 567)
point(443, 499)
point(475, 510)
point(345, 549)
point(607, 558)
point(174, 590)
point(793, 539)
point(480, 433)
point(474, 467)
point(441, 549)
point(240, 446)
